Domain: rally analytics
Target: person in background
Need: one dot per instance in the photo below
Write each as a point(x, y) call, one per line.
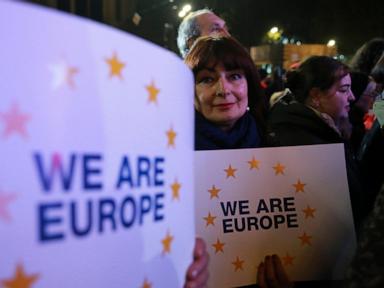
point(310, 112)
point(365, 91)
point(199, 23)
point(367, 55)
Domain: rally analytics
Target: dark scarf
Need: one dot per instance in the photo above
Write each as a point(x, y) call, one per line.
point(244, 134)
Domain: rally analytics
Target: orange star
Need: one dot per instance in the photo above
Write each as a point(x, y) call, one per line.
point(253, 164)
point(20, 279)
point(152, 92)
point(288, 260)
point(279, 169)
point(305, 239)
point(299, 187)
point(146, 284)
point(218, 246)
point(167, 241)
point(214, 192)
point(309, 212)
point(230, 171)
point(115, 66)
point(238, 264)
point(175, 190)
point(171, 137)
point(210, 220)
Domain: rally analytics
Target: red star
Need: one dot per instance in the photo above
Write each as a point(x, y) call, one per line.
point(15, 122)
point(5, 199)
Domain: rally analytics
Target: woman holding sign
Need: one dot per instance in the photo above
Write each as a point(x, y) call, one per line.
point(229, 113)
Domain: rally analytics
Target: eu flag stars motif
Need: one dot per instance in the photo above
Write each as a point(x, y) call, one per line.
point(230, 171)
point(20, 279)
point(5, 201)
point(299, 187)
point(272, 201)
point(63, 75)
point(115, 66)
point(167, 242)
point(175, 187)
point(15, 122)
point(153, 91)
point(279, 169)
point(214, 192)
point(171, 135)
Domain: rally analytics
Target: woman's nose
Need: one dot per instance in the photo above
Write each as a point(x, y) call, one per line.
point(222, 87)
point(351, 97)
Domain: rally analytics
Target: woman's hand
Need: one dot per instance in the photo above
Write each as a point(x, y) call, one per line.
point(197, 273)
point(271, 274)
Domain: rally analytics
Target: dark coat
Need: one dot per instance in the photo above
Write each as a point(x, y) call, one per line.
point(291, 124)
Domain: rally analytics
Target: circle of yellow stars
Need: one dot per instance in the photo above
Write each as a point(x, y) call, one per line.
point(279, 170)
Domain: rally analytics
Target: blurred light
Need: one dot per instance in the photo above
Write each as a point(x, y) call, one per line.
point(331, 43)
point(285, 41)
point(182, 14)
point(174, 7)
point(274, 30)
point(187, 8)
point(171, 1)
point(341, 57)
point(298, 43)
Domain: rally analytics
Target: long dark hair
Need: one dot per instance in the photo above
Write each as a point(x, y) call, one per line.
point(208, 51)
point(320, 72)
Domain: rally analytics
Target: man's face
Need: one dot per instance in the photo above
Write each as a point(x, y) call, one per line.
point(210, 25)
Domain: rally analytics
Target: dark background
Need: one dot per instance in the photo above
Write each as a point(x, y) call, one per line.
point(350, 23)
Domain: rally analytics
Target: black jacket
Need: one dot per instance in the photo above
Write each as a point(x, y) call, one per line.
point(291, 124)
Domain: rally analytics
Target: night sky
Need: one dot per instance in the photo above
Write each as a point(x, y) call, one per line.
point(349, 23)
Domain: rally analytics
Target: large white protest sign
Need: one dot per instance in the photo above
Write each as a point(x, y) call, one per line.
point(289, 201)
point(96, 150)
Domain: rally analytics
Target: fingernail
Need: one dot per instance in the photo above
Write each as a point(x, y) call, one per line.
point(194, 273)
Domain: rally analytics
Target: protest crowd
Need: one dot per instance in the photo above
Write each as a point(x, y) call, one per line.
point(319, 101)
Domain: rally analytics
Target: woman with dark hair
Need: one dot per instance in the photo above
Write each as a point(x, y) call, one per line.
point(311, 113)
point(229, 109)
point(229, 103)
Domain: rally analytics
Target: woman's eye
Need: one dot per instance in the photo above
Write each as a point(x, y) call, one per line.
point(205, 80)
point(236, 76)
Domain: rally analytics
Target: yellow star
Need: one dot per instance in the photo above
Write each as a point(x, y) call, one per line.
point(152, 92)
point(171, 137)
point(175, 190)
point(253, 164)
point(230, 171)
point(238, 264)
point(167, 241)
point(279, 169)
point(115, 66)
point(210, 220)
point(309, 212)
point(146, 284)
point(20, 279)
point(288, 260)
point(305, 239)
point(214, 192)
point(299, 187)
point(218, 246)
